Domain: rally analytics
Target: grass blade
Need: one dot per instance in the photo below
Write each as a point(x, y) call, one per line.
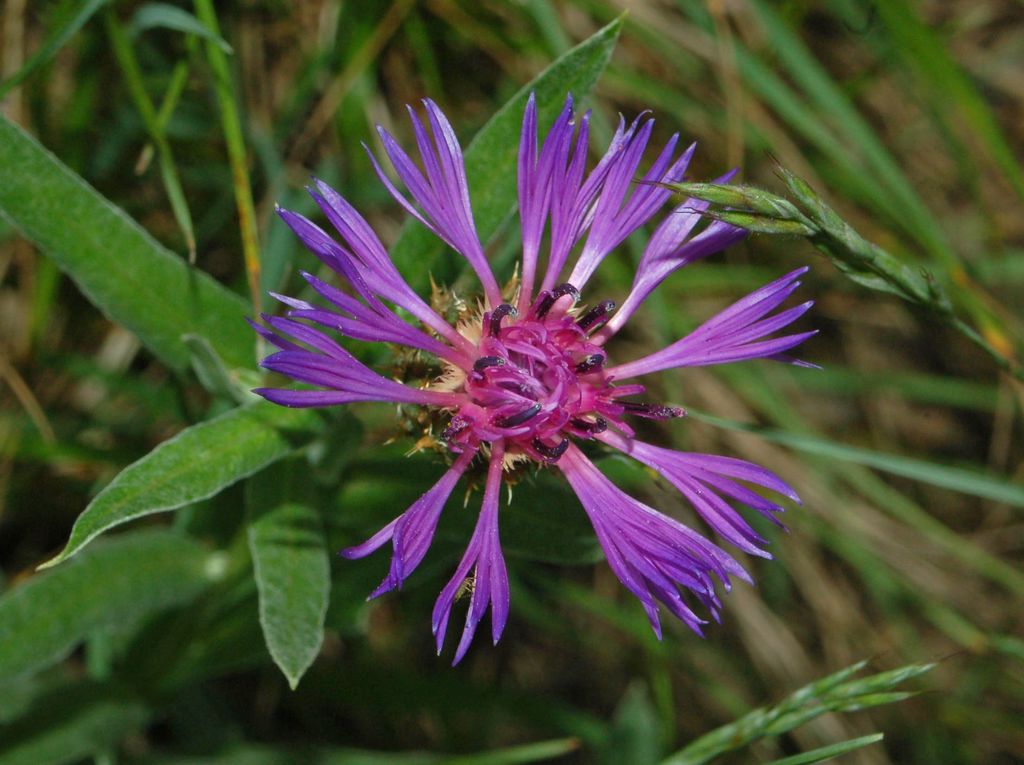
point(826, 753)
point(50, 48)
point(958, 479)
point(838, 692)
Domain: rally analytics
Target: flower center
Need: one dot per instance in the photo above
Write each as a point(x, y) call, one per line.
point(538, 380)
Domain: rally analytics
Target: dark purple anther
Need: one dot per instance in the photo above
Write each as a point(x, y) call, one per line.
point(652, 411)
point(548, 299)
point(512, 420)
point(551, 453)
point(599, 425)
point(596, 315)
point(498, 314)
point(590, 363)
point(488, 361)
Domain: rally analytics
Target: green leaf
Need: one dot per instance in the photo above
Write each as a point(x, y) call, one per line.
point(114, 261)
point(634, 735)
point(197, 463)
point(70, 724)
point(826, 753)
point(162, 15)
point(491, 156)
point(290, 563)
point(49, 49)
point(43, 619)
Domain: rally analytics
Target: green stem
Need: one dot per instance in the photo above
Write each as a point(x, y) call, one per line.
point(237, 155)
point(129, 64)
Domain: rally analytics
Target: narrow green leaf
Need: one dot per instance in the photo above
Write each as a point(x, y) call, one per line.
point(123, 51)
point(116, 263)
point(290, 563)
point(237, 153)
point(197, 463)
point(162, 15)
point(491, 156)
point(826, 753)
point(121, 579)
point(944, 476)
point(55, 42)
point(514, 755)
point(634, 734)
point(70, 724)
point(265, 755)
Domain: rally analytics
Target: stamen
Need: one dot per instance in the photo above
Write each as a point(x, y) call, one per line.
point(519, 388)
point(498, 314)
point(599, 313)
point(488, 361)
point(652, 411)
point(551, 453)
point(510, 421)
point(547, 299)
point(599, 425)
point(590, 363)
point(457, 424)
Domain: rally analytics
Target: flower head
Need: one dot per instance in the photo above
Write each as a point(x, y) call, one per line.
point(527, 377)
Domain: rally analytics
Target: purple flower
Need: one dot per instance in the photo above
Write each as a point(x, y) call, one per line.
point(526, 378)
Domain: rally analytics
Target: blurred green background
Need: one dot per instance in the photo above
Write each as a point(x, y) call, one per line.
point(906, 448)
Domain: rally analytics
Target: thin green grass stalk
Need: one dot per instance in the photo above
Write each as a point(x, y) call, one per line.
point(830, 752)
point(129, 64)
point(176, 86)
point(948, 87)
point(49, 49)
point(237, 155)
point(863, 262)
point(838, 692)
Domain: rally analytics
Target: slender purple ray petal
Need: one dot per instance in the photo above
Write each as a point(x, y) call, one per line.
point(490, 577)
point(345, 376)
point(730, 335)
point(669, 249)
point(443, 193)
point(572, 198)
point(412, 532)
point(700, 478)
point(615, 216)
point(653, 555)
point(535, 178)
point(345, 264)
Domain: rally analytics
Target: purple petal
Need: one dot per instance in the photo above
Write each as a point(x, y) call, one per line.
point(653, 555)
point(412, 532)
point(490, 576)
point(443, 193)
point(729, 336)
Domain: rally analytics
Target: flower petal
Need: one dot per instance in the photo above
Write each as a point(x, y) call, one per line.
point(652, 554)
point(729, 336)
point(490, 577)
